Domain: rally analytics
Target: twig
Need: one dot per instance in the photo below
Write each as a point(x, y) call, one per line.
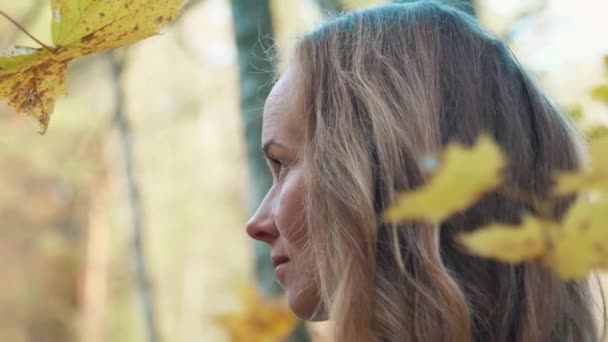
point(49, 48)
point(27, 19)
point(137, 250)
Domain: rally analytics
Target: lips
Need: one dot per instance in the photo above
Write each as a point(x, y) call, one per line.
point(278, 260)
point(280, 263)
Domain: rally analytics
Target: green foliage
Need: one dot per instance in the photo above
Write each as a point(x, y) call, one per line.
point(600, 93)
point(576, 113)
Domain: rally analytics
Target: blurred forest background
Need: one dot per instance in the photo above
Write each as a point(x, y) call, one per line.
point(136, 198)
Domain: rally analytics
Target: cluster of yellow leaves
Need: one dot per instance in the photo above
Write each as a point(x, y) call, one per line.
point(573, 247)
point(600, 93)
point(32, 79)
point(263, 320)
point(596, 178)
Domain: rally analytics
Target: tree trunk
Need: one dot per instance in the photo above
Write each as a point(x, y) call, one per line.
point(253, 30)
point(252, 24)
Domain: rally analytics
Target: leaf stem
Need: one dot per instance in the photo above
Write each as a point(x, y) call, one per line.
point(51, 49)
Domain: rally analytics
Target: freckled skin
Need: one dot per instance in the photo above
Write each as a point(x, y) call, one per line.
point(279, 220)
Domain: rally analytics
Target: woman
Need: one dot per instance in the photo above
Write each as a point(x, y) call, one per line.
point(345, 128)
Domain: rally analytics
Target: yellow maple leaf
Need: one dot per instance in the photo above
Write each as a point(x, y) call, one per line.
point(581, 244)
point(263, 320)
point(508, 243)
point(596, 178)
point(32, 79)
point(466, 173)
point(571, 248)
point(596, 132)
point(600, 93)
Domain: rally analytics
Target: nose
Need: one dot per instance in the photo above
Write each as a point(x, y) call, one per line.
point(261, 226)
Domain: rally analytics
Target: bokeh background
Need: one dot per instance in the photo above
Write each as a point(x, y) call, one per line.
point(136, 198)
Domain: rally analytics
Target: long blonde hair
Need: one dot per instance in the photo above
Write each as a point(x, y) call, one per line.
point(382, 88)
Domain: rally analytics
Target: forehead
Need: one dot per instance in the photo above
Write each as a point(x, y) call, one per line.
point(283, 113)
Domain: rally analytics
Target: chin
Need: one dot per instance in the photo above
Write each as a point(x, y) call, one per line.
point(305, 305)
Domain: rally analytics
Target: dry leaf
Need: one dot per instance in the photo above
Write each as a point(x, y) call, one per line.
point(263, 320)
point(596, 178)
point(572, 248)
point(600, 93)
point(508, 243)
point(465, 175)
point(581, 244)
point(32, 79)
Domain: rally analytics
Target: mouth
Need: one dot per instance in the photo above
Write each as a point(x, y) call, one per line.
point(280, 268)
point(279, 260)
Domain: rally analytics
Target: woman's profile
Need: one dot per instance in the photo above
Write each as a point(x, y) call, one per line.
point(365, 98)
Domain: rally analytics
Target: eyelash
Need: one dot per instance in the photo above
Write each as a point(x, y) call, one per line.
point(276, 162)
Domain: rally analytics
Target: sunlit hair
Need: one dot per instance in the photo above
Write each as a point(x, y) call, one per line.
point(382, 88)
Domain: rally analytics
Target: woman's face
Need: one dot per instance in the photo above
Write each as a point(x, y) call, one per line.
point(280, 220)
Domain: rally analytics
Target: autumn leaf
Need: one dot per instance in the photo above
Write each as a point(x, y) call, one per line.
point(571, 248)
point(596, 132)
point(32, 82)
point(581, 244)
point(32, 79)
point(466, 173)
point(263, 320)
point(576, 113)
point(596, 178)
point(600, 93)
point(508, 243)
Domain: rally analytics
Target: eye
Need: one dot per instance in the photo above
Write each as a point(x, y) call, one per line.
point(279, 164)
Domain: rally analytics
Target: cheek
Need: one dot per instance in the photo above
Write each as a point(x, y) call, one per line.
point(300, 289)
point(291, 221)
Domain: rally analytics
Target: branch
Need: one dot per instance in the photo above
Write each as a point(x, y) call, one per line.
point(51, 49)
point(27, 19)
point(137, 251)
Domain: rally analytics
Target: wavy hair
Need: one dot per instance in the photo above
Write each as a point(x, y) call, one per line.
point(383, 87)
